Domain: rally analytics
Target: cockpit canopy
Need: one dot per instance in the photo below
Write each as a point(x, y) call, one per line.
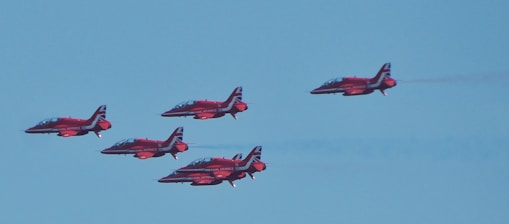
point(183, 104)
point(48, 121)
point(200, 161)
point(331, 81)
point(125, 142)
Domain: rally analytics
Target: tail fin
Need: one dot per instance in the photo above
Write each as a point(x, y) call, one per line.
point(254, 155)
point(100, 114)
point(234, 97)
point(237, 156)
point(175, 137)
point(384, 71)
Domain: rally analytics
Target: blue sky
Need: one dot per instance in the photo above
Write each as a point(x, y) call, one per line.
point(433, 151)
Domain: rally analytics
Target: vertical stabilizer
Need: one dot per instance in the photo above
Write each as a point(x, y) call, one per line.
point(100, 114)
point(175, 137)
point(235, 97)
point(254, 155)
point(385, 71)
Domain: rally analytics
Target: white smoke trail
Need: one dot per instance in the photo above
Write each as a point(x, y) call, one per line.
point(490, 78)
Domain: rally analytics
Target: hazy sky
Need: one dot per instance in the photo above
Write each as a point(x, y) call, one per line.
point(435, 150)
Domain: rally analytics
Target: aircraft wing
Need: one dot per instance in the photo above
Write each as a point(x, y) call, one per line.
point(202, 181)
point(67, 133)
point(204, 116)
point(221, 174)
point(144, 155)
point(354, 91)
point(205, 179)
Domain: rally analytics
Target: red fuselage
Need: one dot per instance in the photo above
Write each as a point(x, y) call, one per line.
point(196, 179)
point(351, 86)
point(212, 171)
point(67, 127)
point(145, 148)
point(354, 86)
point(203, 109)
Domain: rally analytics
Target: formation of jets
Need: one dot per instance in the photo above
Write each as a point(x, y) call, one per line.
point(206, 171)
point(212, 171)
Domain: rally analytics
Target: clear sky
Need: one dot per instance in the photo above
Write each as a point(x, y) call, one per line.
point(435, 150)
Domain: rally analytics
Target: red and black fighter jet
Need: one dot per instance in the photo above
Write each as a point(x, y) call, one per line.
point(146, 148)
point(213, 171)
point(204, 109)
point(67, 127)
point(351, 86)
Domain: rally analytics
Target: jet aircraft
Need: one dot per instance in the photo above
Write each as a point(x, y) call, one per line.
point(67, 127)
point(204, 109)
point(145, 148)
point(351, 86)
point(213, 171)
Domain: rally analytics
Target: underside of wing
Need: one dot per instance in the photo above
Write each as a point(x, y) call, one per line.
point(206, 181)
point(221, 174)
point(144, 155)
point(357, 91)
point(204, 116)
point(67, 133)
